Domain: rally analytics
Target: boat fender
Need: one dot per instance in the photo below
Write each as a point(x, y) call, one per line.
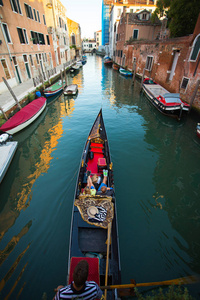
point(38, 94)
point(91, 155)
point(3, 138)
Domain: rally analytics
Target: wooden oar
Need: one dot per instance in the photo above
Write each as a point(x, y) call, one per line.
point(183, 280)
point(107, 258)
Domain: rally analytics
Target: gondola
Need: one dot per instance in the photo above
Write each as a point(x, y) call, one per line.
point(90, 228)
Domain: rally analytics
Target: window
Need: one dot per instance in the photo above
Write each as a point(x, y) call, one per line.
point(135, 34)
point(195, 49)
point(28, 10)
point(31, 59)
point(60, 22)
point(41, 39)
point(1, 2)
point(48, 41)
point(14, 60)
point(144, 16)
point(22, 35)
point(5, 67)
point(44, 19)
point(184, 83)
point(131, 10)
point(25, 36)
point(34, 37)
point(38, 15)
point(6, 32)
point(35, 15)
point(16, 6)
point(73, 39)
point(149, 63)
point(36, 55)
point(37, 38)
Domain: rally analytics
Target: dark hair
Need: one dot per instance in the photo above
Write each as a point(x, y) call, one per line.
point(103, 189)
point(80, 273)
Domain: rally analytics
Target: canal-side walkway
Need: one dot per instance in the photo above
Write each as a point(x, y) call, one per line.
point(21, 91)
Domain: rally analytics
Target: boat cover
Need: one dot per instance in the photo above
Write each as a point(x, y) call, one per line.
point(102, 203)
point(25, 114)
point(93, 268)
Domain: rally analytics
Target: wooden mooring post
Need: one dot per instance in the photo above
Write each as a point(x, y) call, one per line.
point(61, 75)
point(194, 93)
point(134, 71)
point(65, 70)
point(12, 93)
point(142, 77)
point(3, 113)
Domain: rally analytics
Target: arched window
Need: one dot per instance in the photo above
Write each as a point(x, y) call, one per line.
point(195, 48)
point(73, 39)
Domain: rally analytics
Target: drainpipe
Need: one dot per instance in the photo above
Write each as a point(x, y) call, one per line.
point(10, 56)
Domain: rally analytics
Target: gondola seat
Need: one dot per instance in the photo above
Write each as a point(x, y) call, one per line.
point(101, 163)
point(96, 145)
point(93, 268)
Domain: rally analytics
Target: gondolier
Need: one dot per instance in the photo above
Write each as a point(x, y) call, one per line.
point(80, 288)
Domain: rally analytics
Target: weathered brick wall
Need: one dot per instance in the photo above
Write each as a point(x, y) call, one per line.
point(163, 53)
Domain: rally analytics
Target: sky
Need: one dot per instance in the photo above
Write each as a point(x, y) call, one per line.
point(85, 12)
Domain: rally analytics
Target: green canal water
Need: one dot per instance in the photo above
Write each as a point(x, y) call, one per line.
point(156, 162)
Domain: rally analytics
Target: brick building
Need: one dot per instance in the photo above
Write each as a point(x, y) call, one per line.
point(74, 38)
point(25, 45)
point(56, 21)
point(173, 63)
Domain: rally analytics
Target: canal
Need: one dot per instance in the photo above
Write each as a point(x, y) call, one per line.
point(156, 162)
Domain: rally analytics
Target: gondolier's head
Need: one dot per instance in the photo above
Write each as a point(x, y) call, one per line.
point(80, 273)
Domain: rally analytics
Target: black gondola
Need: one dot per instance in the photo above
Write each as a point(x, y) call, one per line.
point(89, 237)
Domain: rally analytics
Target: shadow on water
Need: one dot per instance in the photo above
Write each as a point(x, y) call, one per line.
point(157, 179)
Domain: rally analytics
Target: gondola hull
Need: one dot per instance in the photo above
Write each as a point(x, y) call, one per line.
point(88, 237)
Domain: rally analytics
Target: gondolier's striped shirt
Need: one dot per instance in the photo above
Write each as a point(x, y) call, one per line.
point(90, 291)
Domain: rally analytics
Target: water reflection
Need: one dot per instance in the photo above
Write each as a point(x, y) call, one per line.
point(35, 152)
point(156, 172)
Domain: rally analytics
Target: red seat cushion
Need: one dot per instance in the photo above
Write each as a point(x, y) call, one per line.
point(97, 145)
point(101, 162)
point(93, 268)
point(97, 150)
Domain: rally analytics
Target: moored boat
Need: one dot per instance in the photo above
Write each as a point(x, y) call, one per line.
point(115, 67)
point(25, 116)
point(75, 68)
point(94, 217)
point(79, 63)
point(125, 72)
point(198, 130)
point(108, 61)
point(167, 103)
point(71, 89)
point(84, 59)
point(54, 89)
point(7, 151)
